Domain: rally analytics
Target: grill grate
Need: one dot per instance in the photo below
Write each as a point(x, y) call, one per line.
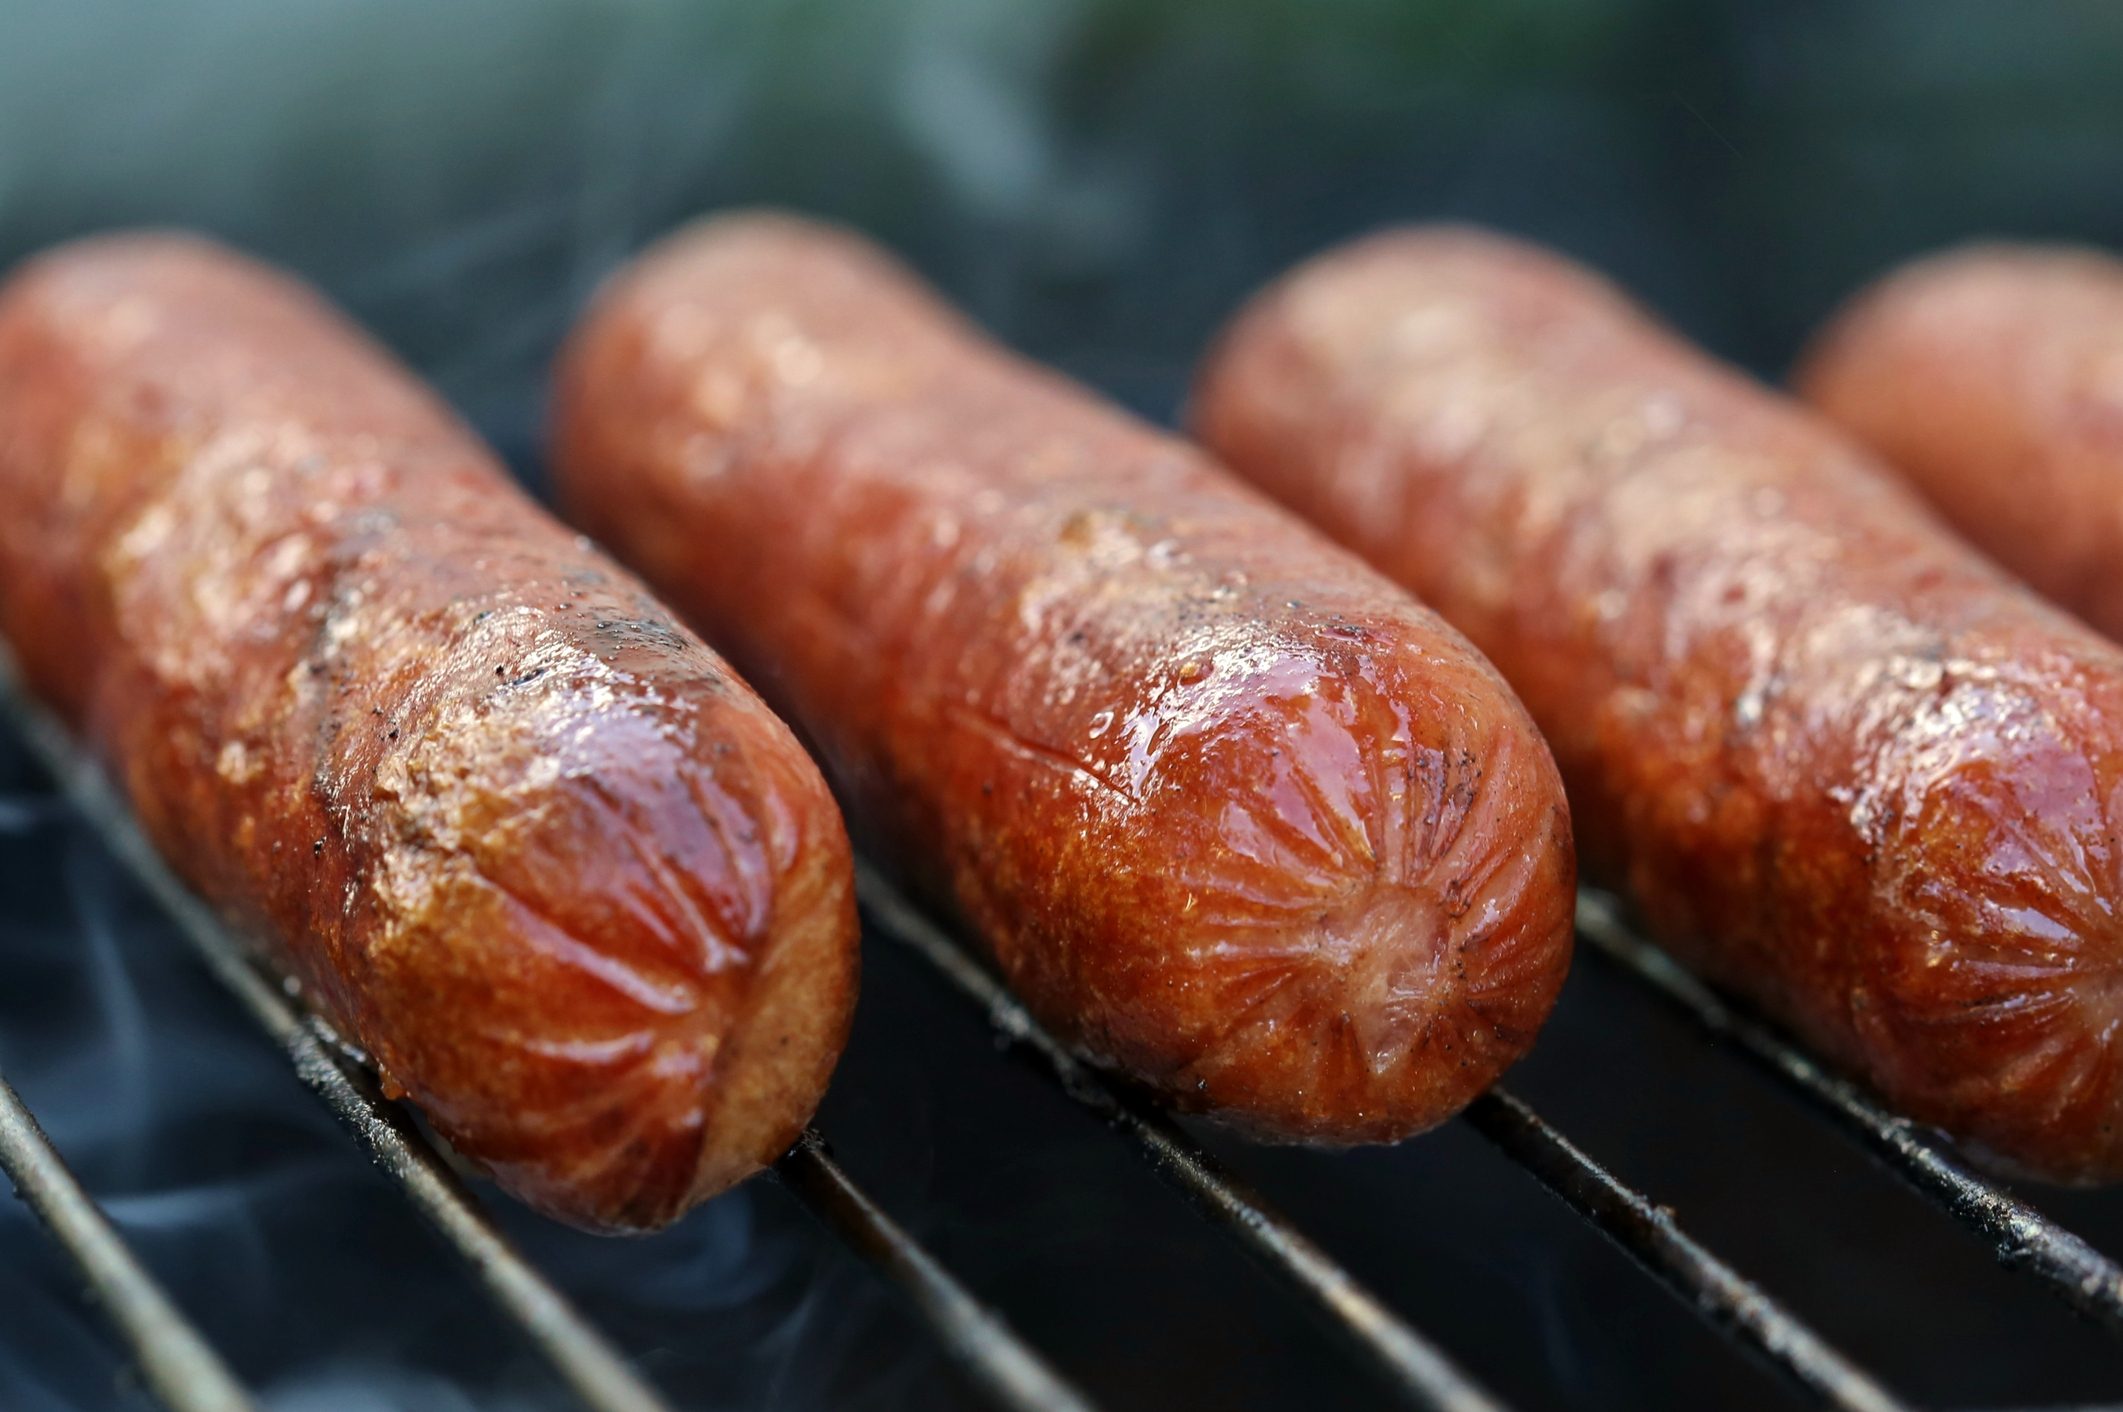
point(1014, 1375)
point(1651, 1237)
point(176, 1363)
point(182, 1371)
point(582, 1356)
point(1423, 1375)
point(1408, 1360)
point(2024, 1238)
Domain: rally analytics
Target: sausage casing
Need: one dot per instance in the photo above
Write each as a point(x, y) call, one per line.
point(526, 841)
point(1838, 760)
point(1232, 812)
point(1992, 379)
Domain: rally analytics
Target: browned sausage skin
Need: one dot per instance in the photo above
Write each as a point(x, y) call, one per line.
point(524, 838)
point(1232, 812)
point(1838, 760)
point(1992, 378)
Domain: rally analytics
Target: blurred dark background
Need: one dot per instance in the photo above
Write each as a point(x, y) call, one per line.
point(1100, 181)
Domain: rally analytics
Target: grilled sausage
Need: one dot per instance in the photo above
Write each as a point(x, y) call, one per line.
point(1233, 813)
point(524, 839)
point(1992, 378)
point(1839, 761)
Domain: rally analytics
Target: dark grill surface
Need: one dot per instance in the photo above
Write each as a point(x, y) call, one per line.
point(1667, 1206)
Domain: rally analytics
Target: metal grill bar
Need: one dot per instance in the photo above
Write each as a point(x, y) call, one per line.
point(976, 1336)
point(586, 1361)
point(1413, 1366)
point(176, 1363)
point(1648, 1233)
point(1422, 1373)
point(185, 1372)
point(2025, 1239)
point(577, 1351)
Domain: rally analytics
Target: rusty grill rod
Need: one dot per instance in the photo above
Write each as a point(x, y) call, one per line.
point(2024, 1239)
point(175, 1361)
point(1410, 1363)
point(977, 1338)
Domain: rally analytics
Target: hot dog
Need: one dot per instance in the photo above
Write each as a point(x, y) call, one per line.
point(524, 839)
point(1232, 813)
point(1992, 379)
point(1840, 763)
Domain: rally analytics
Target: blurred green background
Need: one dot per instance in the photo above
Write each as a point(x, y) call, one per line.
point(1099, 179)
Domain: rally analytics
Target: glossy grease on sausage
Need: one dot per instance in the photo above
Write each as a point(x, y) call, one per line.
point(1232, 812)
point(1838, 760)
point(1992, 379)
point(524, 839)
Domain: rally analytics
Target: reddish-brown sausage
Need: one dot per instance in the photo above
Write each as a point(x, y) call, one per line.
point(1234, 813)
point(1992, 378)
point(1840, 762)
point(526, 840)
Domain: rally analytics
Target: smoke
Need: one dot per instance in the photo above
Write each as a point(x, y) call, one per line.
point(300, 1262)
